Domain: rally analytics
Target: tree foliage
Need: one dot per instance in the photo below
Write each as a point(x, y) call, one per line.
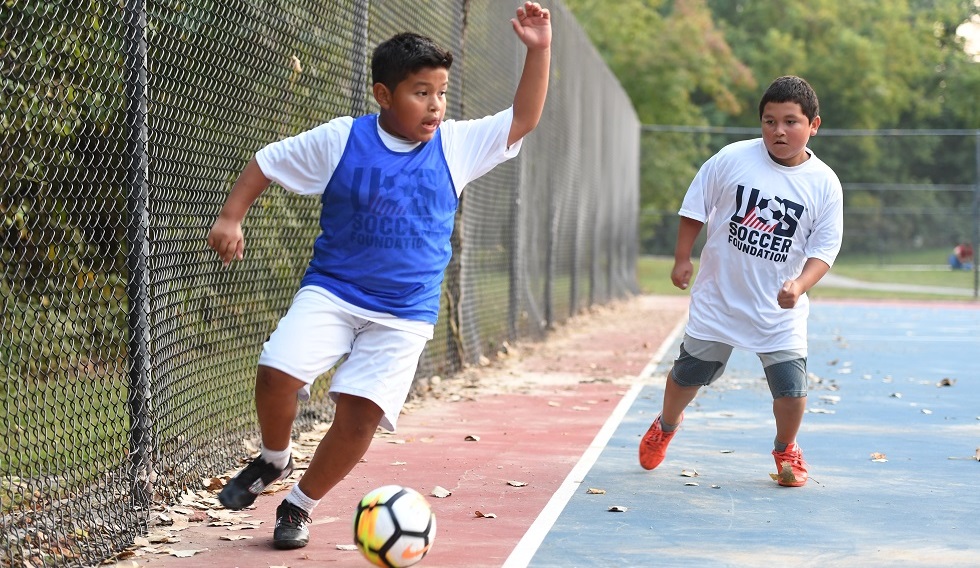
point(875, 64)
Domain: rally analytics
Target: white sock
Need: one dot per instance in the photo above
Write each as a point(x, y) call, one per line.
point(278, 458)
point(301, 500)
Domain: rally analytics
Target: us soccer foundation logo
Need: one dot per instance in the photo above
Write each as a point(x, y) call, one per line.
point(763, 226)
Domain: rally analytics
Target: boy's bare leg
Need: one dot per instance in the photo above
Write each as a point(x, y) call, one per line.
point(355, 421)
point(788, 411)
point(676, 399)
point(276, 406)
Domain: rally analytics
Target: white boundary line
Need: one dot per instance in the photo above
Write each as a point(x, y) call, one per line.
point(532, 539)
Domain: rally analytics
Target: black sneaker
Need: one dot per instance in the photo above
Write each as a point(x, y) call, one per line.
point(242, 490)
point(291, 531)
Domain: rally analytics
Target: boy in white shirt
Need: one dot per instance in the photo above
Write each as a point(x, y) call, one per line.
point(389, 184)
point(774, 213)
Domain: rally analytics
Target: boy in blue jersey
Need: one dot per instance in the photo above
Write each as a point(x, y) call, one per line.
point(389, 185)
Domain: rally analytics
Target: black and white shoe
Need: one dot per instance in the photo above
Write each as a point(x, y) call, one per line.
point(242, 490)
point(291, 531)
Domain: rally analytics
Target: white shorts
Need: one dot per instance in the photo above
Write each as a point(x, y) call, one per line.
point(316, 332)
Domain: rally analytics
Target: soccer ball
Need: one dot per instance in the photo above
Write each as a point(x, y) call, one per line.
point(394, 526)
point(772, 212)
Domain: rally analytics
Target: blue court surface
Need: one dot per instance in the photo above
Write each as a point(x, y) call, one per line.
point(895, 380)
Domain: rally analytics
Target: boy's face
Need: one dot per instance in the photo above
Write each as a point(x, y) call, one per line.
point(786, 131)
point(416, 107)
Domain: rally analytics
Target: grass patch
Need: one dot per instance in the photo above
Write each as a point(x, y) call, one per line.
point(653, 275)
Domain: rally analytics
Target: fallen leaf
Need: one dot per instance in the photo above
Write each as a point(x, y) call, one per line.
point(441, 492)
point(162, 538)
point(483, 515)
point(595, 491)
point(878, 457)
point(517, 483)
point(617, 509)
point(350, 547)
point(785, 474)
point(472, 438)
point(185, 553)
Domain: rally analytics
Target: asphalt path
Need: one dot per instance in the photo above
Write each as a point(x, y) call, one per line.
point(892, 436)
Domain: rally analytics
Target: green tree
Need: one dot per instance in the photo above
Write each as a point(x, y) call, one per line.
point(678, 69)
point(876, 64)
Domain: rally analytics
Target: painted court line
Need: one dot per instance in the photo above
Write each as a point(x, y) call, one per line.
point(522, 554)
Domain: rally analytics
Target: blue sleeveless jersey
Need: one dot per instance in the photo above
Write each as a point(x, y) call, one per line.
point(386, 224)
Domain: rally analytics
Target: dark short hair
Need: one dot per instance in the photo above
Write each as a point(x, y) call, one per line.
point(792, 89)
point(405, 53)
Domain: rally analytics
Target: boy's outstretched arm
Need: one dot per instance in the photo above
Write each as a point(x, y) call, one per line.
point(226, 237)
point(533, 27)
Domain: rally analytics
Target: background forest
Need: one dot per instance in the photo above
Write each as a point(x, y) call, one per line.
point(875, 64)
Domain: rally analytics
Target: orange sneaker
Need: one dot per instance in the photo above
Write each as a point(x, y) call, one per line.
point(791, 469)
point(653, 446)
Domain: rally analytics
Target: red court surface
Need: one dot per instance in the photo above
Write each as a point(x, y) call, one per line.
point(530, 417)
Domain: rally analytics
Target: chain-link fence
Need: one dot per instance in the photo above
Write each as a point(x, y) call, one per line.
point(910, 196)
point(128, 352)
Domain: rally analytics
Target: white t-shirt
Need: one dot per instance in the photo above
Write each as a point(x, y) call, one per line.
point(763, 221)
point(304, 163)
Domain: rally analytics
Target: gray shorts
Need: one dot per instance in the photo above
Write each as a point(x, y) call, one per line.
point(701, 363)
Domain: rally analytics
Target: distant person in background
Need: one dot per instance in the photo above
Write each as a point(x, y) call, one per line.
point(962, 257)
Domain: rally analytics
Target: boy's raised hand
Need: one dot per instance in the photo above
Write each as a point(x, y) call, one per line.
point(533, 25)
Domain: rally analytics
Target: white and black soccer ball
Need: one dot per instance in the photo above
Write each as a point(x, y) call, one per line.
point(394, 526)
point(772, 211)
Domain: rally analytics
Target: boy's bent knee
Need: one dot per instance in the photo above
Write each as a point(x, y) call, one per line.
point(787, 379)
point(272, 379)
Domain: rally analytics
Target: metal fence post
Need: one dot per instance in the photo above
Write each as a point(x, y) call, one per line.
point(137, 240)
point(976, 214)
